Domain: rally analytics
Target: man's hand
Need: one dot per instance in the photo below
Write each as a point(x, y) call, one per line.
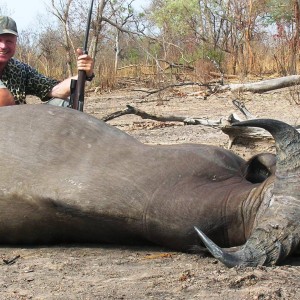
point(85, 63)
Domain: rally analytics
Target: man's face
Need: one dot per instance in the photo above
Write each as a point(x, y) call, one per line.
point(8, 43)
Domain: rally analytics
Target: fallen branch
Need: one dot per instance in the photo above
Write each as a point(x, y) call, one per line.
point(253, 87)
point(242, 108)
point(11, 261)
point(223, 124)
point(263, 86)
point(144, 115)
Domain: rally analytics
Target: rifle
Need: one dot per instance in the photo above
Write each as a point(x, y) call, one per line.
point(77, 86)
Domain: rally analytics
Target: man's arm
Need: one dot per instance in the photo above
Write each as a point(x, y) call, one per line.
point(62, 90)
point(6, 98)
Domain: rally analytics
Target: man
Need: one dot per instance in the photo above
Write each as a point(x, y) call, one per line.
point(20, 79)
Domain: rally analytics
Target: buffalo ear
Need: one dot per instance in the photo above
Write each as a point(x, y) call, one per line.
point(260, 167)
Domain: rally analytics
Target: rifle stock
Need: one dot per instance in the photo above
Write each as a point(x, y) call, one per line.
point(78, 86)
point(77, 91)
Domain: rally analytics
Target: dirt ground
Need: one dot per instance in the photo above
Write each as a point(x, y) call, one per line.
point(122, 272)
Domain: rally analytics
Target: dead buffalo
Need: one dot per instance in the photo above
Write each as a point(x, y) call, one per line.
point(69, 177)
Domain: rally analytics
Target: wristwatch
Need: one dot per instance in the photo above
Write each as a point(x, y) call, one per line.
point(90, 78)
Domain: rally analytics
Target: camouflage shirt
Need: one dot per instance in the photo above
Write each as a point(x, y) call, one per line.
point(22, 80)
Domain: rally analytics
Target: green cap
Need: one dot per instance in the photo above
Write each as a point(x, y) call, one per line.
point(8, 25)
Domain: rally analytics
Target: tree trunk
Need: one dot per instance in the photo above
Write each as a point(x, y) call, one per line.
point(295, 40)
point(63, 16)
point(97, 26)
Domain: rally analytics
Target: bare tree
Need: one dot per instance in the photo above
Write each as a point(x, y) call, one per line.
point(61, 10)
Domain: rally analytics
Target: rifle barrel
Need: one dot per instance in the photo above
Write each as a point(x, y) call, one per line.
point(88, 28)
point(78, 86)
